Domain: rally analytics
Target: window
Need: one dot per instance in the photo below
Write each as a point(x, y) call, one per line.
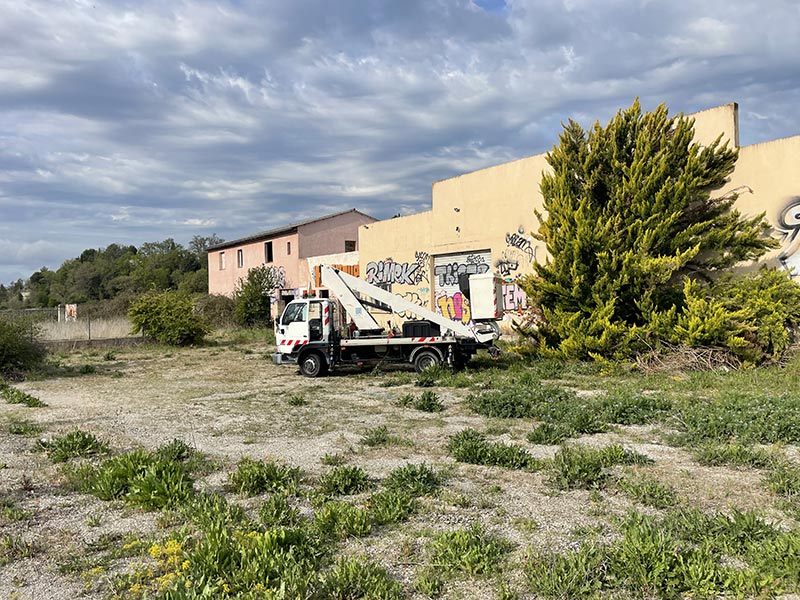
point(221, 261)
point(349, 245)
point(288, 248)
point(268, 252)
point(294, 313)
point(240, 258)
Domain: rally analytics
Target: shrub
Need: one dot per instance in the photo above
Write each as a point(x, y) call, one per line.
point(256, 477)
point(19, 351)
point(216, 309)
point(73, 444)
point(169, 318)
point(343, 481)
point(251, 296)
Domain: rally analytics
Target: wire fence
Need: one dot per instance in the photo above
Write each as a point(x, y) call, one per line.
point(59, 324)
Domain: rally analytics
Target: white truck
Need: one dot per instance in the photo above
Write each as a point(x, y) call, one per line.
point(318, 335)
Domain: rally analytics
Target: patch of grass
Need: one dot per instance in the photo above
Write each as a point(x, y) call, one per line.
point(14, 548)
point(470, 446)
point(414, 480)
point(297, 400)
point(430, 376)
point(354, 578)
point(743, 417)
point(276, 512)
point(649, 491)
point(333, 460)
point(390, 506)
point(734, 455)
point(582, 467)
point(10, 511)
point(15, 396)
point(625, 407)
point(428, 401)
point(377, 436)
point(472, 551)
point(685, 554)
point(518, 401)
point(429, 583)
point(76, 443)
point(344, 481)
point(338, 520)
point(550, 433)
point(256, 477)
point(24, 427)
point(784, 480)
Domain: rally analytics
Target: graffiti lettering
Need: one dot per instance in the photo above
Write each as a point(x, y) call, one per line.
point(520, 242)
point(789, 224)
point(448, 274)
point(421, 274)
point(455, 307)
point(416, 299)
point(507, 263)
point(388, 271)
point(514, 297)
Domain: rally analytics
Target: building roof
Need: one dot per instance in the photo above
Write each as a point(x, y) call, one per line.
point(272, 233)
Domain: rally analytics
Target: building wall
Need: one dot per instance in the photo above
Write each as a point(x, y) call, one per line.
point(328, 236)
point(223, 281)
point(493, 210)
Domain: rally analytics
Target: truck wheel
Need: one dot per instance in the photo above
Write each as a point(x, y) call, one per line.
point(313, 365)
point(425, 360)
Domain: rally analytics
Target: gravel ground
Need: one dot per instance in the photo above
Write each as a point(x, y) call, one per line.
point(231, 402)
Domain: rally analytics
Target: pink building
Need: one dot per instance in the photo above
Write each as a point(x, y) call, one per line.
point(287, 248)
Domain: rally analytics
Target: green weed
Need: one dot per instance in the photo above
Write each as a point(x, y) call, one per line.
point(377, 436)
point(14, 548)
point(15, 396)
point(428, 401)
point(649, 492)
point(338, 520)
point(24, 427)
point(74, 444)
point(469, 446)
point(550, 433)
point(343, 481)
point(390, 506)
point(10, 511)
point(296, 400)
point(414, 480)
point(356, 578)
point(429, 583)
point(276, 512)
point(256, 477)
point(472, 551)
point(714, 454)
point(333, 460)
point(584, 467)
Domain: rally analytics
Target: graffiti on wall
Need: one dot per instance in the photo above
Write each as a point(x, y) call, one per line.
point(789, 225)
point(522, 243)
point(421, 273)
point(388, 271)
point(454, 306)
point(514, 297)
point(507, 264)
point(415, 298)
point(448, 274)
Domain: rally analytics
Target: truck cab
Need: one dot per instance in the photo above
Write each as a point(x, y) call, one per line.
point(305, 332)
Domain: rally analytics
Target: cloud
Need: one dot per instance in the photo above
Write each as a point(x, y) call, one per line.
point(132, 122)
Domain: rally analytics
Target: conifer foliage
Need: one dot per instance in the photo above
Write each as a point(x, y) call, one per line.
point(630, 215)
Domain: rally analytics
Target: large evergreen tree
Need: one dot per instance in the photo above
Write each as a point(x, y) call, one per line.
point(630, 214)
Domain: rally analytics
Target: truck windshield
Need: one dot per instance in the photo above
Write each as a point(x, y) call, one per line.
point(294, 313)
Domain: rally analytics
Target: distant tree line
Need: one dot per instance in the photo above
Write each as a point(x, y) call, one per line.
point(114, 275)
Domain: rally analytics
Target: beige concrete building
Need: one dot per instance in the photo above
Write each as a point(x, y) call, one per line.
point(483, 221)
point(294, 250)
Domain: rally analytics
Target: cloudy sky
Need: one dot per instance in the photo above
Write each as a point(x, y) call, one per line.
point(135, 121)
